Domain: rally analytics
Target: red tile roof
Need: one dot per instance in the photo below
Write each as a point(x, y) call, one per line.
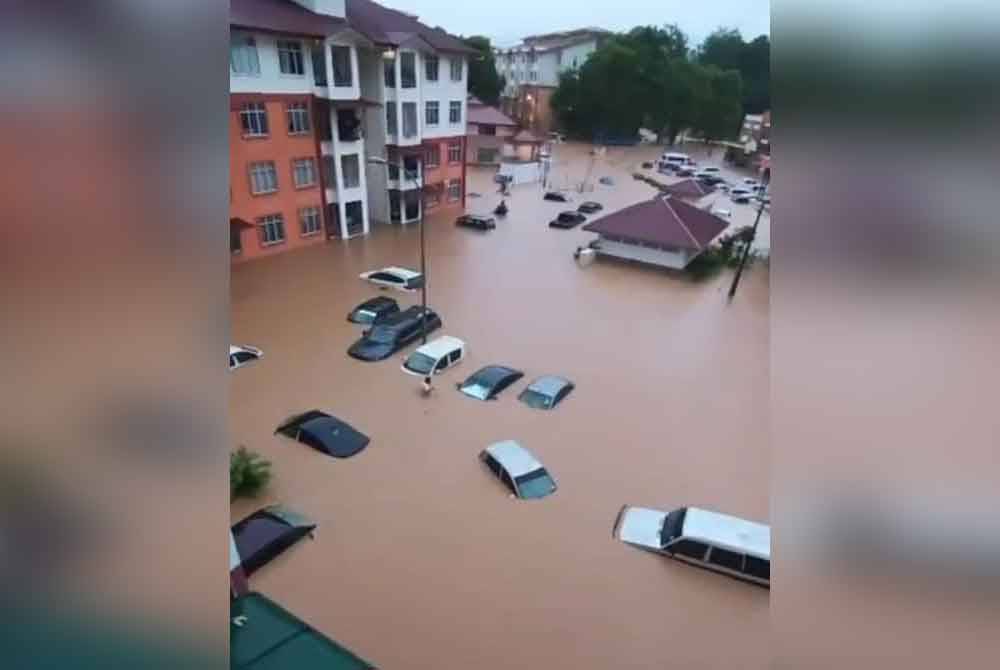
point(485, 115)
point(388, 26)
point(688, 189)
point(281, 16)
point(662, 221)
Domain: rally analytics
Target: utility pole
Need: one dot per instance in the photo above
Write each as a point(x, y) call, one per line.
point(746, 248)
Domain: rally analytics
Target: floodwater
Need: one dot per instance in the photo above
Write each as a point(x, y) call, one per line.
point(421, 560)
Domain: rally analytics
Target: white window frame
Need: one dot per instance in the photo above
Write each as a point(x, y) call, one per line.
point(244, 46)
point(428, 70)
point(252, 110)
point(456, 67)
point(298, 111)
point(258, 170)
point(451, 146)
point(298, 165)
point(436, 153)
point(310, 214)
point(289, 49)
point(457, 185)
point(391, 122)
point(350, 67)
point(278, 222)
point(428, 106)
point(416, 120)
point(344, 172)
point(452, 106)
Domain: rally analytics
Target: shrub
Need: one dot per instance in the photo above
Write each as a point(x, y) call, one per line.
point(249, 474)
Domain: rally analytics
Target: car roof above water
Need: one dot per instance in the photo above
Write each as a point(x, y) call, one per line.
point(440, 346)
point(514, 458)
point(549, 385)
point(728, 531)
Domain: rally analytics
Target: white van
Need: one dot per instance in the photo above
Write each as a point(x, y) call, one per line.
point(435, 357)
point(719, 542)
point(676, 159)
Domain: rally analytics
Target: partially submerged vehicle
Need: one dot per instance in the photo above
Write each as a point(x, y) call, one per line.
point(485, 383)
point(324, 433)
point(435, 357)
point(393, 333)
point(476, 221)
point(265, 534)
point(403, 279)
point(719, 542)
point(374, 310)
point(589, 207)
point(518, 470)
point(546, 392)
point(567, 220)
point(240, 355)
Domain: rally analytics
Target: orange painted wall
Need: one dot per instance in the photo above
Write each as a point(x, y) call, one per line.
point(437, 178)
point(281, 148)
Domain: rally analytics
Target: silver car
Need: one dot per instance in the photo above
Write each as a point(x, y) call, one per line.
point(546, 392)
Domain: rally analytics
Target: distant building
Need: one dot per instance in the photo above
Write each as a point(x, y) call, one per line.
point(489, 134)
point(754, 141)
point(663, 231)
point(532, 70)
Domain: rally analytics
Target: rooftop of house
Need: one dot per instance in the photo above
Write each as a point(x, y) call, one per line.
point(558, 40)
point(381, 25)
point(688, 189)
point(480, 113)
point(663, 221)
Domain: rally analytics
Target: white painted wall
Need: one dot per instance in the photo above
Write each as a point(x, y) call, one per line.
point(676, 260)
point(271, 79)
point(444, 90)
point(352, 92)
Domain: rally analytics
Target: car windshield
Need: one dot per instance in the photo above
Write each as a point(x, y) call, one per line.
point(535, 399)
point(381, 335)
point(420, 362)
point(364, 316)
point(535, 484)
point(476, 389)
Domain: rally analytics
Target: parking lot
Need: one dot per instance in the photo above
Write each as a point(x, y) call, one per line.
point(421, 560)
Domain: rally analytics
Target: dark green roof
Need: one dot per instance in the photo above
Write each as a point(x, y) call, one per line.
point(271, 638)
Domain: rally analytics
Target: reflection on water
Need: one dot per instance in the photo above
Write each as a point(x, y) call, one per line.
point(421, 560)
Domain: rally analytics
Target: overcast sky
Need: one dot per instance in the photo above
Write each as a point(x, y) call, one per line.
point(506, 21)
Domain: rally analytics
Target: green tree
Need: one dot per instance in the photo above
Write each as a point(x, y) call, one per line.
point(718, 96)
point(484, 81)
point(249, 474)
point(726, 49)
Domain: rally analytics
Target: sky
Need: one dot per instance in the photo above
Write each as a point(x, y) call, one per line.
point(506, 21)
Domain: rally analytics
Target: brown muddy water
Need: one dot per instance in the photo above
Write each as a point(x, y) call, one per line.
point(421, 560)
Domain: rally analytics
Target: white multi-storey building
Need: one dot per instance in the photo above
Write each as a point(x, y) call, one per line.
point(343, 114)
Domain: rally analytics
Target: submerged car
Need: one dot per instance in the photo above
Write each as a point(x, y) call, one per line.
point(719, 542)
point(567, 220)
point(265, 534)
point(403, 279)
point(373, 311)
point(485, 383)
point(476, 221)
point(590, 207)
point(324, 433)
point(739, 194)
point(435, 357)
point(518, 469)
point(242, 355)
point(607, 181)
point(546, 392)
point(555, 196)
point(393, 333)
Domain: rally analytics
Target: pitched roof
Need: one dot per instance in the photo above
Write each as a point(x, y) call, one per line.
point(389, 26)
point(663, 221)
point(526, 136)
point(688, 189)
point(559, 40)
point(484, 114)
point(281, 16)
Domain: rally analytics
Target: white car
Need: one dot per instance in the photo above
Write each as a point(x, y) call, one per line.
point(435, 357)
point(403, 279)
point(739, 194)
point(750, 182)
point(710, 171)
point(242, 355)
point(724, 213)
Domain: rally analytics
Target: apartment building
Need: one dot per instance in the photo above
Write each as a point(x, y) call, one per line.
point(532, 70)
point(344, 114)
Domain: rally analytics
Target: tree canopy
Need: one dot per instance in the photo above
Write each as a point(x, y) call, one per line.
point(726, 49)
point(649, 77)
point(484, 81)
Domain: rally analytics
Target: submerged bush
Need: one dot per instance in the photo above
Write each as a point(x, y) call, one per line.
point(249, 474)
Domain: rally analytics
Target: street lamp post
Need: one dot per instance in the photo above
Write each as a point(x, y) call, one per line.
point(379, 160)
point(746, 249)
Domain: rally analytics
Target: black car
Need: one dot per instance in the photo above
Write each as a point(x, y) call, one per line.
point(324, 433)
point(567, 220)
point(393, 333)
point(590, 207)
point(266, 533)
point(486, 383)
point(475, 221)
point(374, 310)
point(555, 196)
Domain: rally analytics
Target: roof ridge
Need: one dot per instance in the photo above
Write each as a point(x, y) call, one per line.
point(677, 216)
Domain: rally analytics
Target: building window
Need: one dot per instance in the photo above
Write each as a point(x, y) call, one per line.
point(487, 130)
point(454, 190)
point(272, 229)
point(309, 220)
point(290, 58)
point(389, 72)
point(263, 178)
point(243, 59)
point(253, 118)
point(558, 56)
point(350, 168)
point(431, 65)
point(348, 125)
point(454, 152)
point(328, 166)
point(533, 76)
point(455, 111)
point(433, 158)
point(390, 118)
point(408, 69)
point(304, 172)
point(319, 65)
point(456, 69)
point(531, 58)
point(574, 61)
point(341, 66)
point(431, 114)
point(409, 119)
point(298, 118)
